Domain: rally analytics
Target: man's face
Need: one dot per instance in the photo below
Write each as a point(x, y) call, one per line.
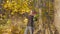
point(30, 12)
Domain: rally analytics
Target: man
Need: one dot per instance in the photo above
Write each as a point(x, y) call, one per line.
point(30, 23)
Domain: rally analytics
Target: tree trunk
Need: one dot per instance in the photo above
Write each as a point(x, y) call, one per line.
point(57, 15)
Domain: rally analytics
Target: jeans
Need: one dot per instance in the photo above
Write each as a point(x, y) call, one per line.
point(30, 29)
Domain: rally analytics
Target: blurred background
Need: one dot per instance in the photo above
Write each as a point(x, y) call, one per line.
point(13, 20)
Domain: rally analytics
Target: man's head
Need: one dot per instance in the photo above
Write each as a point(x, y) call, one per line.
point(32, 13)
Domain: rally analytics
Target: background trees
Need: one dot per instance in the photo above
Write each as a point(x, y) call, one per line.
point(13, 21)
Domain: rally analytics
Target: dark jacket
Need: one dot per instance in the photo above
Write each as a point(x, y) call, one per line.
point(30, 21)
